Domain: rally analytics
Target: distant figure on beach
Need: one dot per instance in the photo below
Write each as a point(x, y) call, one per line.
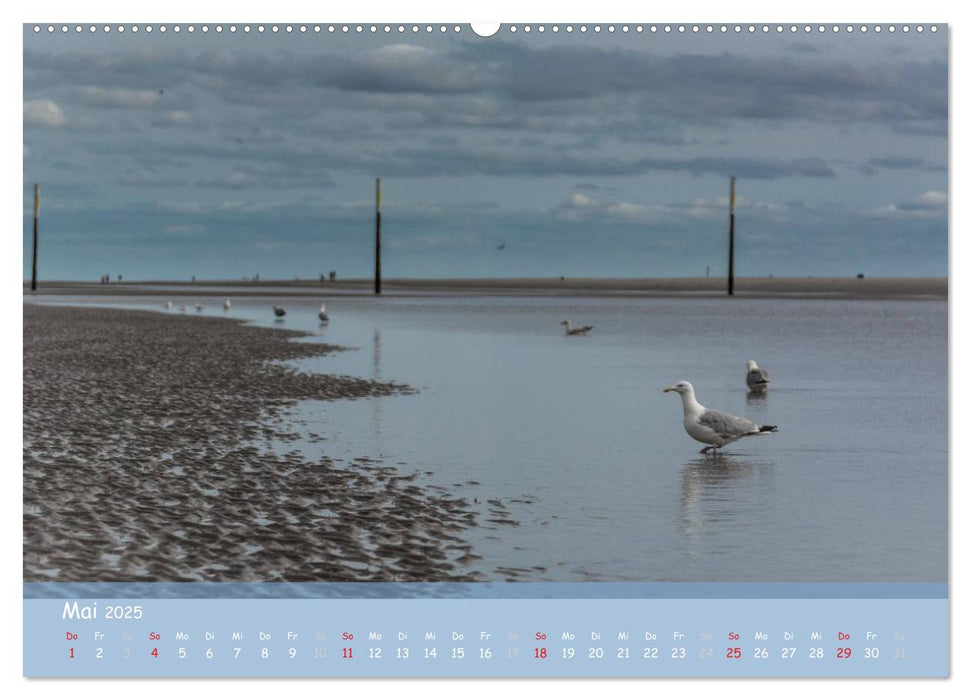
point(322, 314)
point(332, 275)
point(279, 311)
point(227, 304)
point(756, 377)
point(182, 308)
point(119, 278)
point(714, 428)
point(168, 305)
point(198, 307)
point(578, 330)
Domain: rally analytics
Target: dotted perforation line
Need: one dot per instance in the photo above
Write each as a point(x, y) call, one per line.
point(455, 28)
point(248, 28)
point(719, 28)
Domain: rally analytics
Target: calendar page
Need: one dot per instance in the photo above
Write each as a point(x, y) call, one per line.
point(526, 350)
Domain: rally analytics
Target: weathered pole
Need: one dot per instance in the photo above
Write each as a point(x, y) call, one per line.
point(731, 239)
point(33, 267)
point(377, 236)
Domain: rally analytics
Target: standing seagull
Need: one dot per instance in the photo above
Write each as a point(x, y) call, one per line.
point(322, 314)
point(227, 304)
point(757, 378)
point(168, 305)
point(714, 428)
point(579, 330)
point(279, 311)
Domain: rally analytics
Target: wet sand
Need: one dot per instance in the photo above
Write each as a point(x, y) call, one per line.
point(144, 460)
point(751, 287)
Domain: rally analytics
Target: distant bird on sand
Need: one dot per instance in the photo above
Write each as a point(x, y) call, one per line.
point(756, 378)
point(168, 305)
point(714, 428)
point(182, 308)
point(227, 304)
point(578, 330)
point(322, 314)
point(198, 307)
point(279, 311)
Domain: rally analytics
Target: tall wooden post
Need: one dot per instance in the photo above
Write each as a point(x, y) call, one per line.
point(731, 239)
point(377, 236)
point(33, 267)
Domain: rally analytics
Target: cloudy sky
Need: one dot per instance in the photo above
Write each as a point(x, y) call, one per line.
point(162, 156)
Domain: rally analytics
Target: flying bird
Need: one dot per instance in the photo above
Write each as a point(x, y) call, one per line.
point(578, 330)
point(279, 311)
point(501, 247)
point(756, 378)
point(322, 314)
point(714, 428)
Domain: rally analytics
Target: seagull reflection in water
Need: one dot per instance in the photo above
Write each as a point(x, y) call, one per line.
point(756, 397)
point(721, 494)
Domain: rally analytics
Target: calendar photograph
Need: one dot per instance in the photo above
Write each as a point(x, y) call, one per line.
point(216, 389)
point(548, 304)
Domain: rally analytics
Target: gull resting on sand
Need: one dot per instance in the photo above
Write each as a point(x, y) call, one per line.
point(714, 428)
point(279, 311)
point(322, 314)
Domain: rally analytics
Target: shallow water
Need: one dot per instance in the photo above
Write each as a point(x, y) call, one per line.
point(593, 474)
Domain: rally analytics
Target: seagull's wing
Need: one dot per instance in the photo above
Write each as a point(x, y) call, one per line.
point(727, 426)
point(757, 376)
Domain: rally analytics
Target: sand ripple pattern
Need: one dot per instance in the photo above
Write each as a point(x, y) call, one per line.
point(140, 464)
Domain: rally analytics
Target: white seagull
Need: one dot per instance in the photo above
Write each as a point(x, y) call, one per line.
point(579, 330)
point(168, 305)
point(322, 314)
point(756, 378)
point(714, 428)
point(227, 304)
point(279, 311)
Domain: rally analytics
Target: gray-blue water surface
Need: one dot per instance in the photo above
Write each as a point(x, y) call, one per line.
point(573, 436)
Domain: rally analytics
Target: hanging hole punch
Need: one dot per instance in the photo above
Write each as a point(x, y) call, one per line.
point(485, 28)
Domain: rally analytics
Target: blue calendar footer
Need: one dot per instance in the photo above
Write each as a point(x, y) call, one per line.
point(495, 637)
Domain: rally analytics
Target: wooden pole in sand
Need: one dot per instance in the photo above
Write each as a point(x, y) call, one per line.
point(377, 236)
point(731, 239)
point(33, 266)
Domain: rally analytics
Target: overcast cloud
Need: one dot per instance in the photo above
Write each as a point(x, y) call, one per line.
point(220, 156)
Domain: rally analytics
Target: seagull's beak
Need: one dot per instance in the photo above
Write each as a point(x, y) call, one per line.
point(668, 388)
